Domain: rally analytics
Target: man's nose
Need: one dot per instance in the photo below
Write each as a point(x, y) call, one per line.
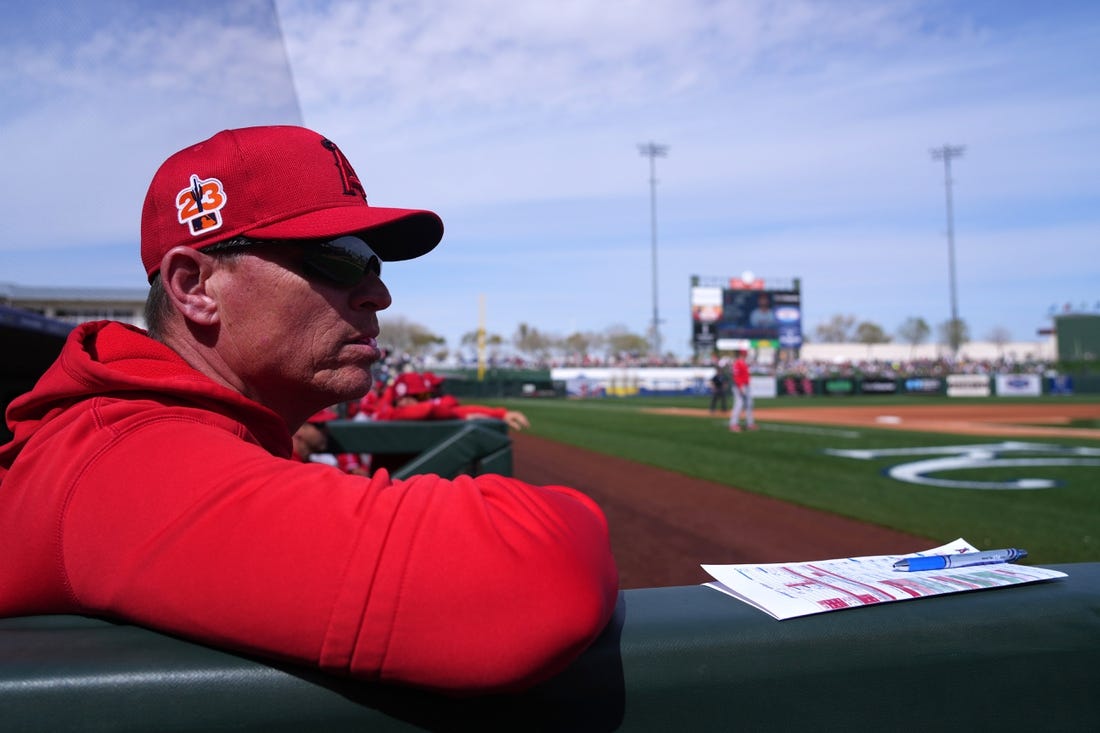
point(371, 293)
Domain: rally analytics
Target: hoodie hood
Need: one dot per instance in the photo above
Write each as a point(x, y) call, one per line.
point(106, 359)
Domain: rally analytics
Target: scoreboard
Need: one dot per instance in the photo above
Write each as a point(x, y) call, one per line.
point(745, 313)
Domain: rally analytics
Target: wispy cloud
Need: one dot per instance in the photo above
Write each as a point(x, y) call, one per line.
point(799, 137)
point(93, 107)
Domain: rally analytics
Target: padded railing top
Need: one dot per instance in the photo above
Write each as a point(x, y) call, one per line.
point(684, 658)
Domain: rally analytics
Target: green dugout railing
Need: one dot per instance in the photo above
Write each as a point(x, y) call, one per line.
point(1025, 658)
point(444, 447)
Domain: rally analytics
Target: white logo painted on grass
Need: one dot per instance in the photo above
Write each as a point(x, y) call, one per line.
point(984, 455)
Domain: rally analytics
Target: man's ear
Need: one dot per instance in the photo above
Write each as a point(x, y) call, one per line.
point(184, 272)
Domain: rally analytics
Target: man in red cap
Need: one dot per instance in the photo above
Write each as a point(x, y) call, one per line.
point(151, 477)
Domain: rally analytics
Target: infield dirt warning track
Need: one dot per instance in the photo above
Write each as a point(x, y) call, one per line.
point(664, 524)
point(1004, 420)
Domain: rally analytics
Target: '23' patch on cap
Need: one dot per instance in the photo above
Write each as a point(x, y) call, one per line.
point(199, 206)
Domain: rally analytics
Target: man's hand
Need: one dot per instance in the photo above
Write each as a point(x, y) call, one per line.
point(516, 420)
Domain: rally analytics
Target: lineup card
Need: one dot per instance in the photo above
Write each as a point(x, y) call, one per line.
point(787, 590)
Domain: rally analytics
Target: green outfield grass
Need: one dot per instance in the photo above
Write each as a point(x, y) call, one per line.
point(789, 462)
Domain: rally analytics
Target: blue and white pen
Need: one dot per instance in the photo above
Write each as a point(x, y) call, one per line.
point(960, 560)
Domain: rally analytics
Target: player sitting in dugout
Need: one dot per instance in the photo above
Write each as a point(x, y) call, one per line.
point(417, 396)
point(311, 445)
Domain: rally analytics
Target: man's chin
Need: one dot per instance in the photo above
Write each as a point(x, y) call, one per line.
point(352, 386)
point(354, 394)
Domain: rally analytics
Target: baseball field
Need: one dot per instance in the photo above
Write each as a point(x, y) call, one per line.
point(822, 477)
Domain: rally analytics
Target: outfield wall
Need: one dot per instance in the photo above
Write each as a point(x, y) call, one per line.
point(1045, 350)
point(641, 381)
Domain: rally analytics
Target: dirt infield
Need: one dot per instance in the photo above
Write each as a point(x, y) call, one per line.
point(663, 524)
point(1002, 420)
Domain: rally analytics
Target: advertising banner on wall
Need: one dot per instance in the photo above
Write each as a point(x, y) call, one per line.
point(878, 386)
point(968, 385)
point(1018, 385)
point(923, 385)
point(1060, 384)
point(628, 381)
point(763, 386)
point(838, 385)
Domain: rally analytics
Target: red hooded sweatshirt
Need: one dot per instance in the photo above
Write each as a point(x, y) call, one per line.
point(137, 488)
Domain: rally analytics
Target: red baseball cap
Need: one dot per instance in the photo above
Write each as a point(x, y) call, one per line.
point(410, 384)
point(275, 182)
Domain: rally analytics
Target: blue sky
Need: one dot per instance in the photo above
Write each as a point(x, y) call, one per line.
point(798, 135)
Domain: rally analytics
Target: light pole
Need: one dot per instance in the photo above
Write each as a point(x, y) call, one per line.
point(946, 153)
point(652, 150)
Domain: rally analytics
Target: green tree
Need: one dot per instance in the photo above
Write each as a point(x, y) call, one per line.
point(954, 333)
point(1000, 336)
point(402, 335)
point(914, 331)
point(529, 340)
point(871, 333)
point(582, 343)
point(468, 340)
point(619, 340)
point(836, 330)
point(493, 341)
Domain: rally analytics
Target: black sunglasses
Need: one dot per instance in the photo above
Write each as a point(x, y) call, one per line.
point(343, 261)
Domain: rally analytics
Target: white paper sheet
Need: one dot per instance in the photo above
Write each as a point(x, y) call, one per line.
point(787, 590)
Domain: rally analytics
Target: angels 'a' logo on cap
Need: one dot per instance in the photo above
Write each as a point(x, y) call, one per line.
point(199, 205)
point(351, 183)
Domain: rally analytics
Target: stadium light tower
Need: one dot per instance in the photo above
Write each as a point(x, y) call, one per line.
point(946, 153)
point(653, 151)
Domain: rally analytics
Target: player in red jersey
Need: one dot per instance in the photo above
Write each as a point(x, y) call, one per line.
point(742, 394)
